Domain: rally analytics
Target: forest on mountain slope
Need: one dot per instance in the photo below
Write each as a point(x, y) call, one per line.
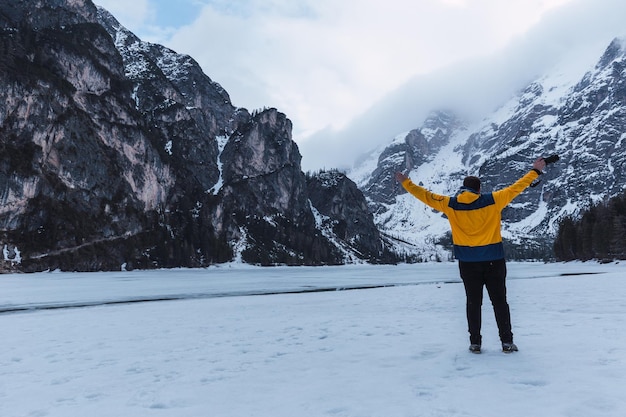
point(600, 233)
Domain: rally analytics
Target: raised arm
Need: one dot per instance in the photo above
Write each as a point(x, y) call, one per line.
point(506, 195)
point(436, 201)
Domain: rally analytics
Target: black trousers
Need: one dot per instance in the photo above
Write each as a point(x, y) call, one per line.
point(492, 275)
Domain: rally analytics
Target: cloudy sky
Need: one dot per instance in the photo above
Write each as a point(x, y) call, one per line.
point(351, 74)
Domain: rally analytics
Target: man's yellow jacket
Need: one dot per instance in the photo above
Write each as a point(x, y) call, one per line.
point(474, 218)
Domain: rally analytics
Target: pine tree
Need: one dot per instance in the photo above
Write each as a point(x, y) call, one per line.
point(600, 233)
point(565, 245)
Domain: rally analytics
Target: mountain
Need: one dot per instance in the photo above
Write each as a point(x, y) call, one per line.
point(345, 216)
point(581, 119)
point(117, 153)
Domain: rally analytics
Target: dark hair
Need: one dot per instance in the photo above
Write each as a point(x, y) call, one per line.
point(472, 182)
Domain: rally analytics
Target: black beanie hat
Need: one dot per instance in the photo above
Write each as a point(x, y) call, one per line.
point(472, 182)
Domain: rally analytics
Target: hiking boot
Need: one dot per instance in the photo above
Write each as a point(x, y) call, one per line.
point(509, 347)
point(474, 348)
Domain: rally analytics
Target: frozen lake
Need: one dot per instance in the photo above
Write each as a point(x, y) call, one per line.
point(194, 343)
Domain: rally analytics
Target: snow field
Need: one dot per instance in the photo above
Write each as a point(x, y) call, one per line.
point(396, 351)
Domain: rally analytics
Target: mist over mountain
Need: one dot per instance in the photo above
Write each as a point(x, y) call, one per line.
point(581, 117)
point(574, 36)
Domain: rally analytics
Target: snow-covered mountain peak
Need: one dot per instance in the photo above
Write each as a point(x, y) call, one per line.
point(577, 109)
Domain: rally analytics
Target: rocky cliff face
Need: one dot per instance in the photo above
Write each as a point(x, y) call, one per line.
point(407, 152)
point(344, 215)
point(68, 179)
point(581, 119)
point(119, 153)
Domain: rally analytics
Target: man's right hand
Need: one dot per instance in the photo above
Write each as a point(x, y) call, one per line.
point(539, 164)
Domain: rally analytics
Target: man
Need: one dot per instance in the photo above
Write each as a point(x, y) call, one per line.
point(475, 220)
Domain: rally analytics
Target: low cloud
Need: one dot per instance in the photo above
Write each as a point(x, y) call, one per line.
point(571, 39)
point(353, 74)
point(323, 62)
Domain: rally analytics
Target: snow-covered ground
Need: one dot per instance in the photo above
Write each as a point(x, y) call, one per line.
point(212, 349)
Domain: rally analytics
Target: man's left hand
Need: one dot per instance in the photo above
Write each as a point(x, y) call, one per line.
point(400, 177)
